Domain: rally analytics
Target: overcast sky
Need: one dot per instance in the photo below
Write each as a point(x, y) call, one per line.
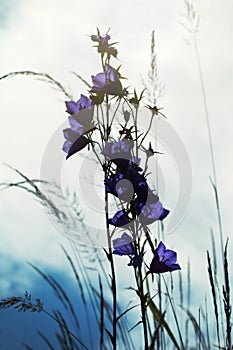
point(52, 37)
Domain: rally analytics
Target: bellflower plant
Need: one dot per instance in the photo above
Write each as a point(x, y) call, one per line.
point(91, 122)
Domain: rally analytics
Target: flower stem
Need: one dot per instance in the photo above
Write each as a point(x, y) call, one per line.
point(113, 277)
point(143, 309)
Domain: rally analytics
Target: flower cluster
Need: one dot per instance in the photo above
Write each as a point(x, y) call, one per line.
point(80, 120)
point(125, 179)
point(164, 260)
point(128, 182)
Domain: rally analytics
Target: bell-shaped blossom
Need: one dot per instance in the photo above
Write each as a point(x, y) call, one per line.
point(107, 82)
point(164, 260)
point(75, 107)
point(119, 152)
point(119, 219)
point(74, 143)
point(151, 210)
point(80, 123)
point(84, 118)
point(123, 245)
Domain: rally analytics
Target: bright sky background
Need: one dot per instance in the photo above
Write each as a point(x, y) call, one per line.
point(52, 37)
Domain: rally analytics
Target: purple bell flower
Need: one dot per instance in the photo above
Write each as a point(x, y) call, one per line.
point(74, 143)
point(123, 245)
point(152, 210)
point(119, 152)
point(80, 122)
point(119, 219)
point(107, 82)
point(164, 260)
point(75, 107)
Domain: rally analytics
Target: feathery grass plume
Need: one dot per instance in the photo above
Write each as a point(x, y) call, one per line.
point(41, 76)
point(153, 87)
point(190, 20)
point(22, 304)
point(212, 283)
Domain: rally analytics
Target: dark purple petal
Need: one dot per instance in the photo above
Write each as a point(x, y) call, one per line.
point(160, 249)
point(71, 135)
point(123, 245)
point(84, 102)
point(107, 82)
point(152, 210)
point(72, 107)
point(99, 81)
point(111, 182)
point(77, 146)
point(120, 219)
point(169, 257)
point(66, 146)
point(164, 214)
point(164, 260)
point(120, 149)
point(75, 107)
point(75, 125)
point(84, 117)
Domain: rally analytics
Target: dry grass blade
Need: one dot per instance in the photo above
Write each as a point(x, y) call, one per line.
point(197, 330)
point(181, 289)
point(27, 347)
point(82, 79)
point(47, 342)
point(213, 295)
point(67, 301)
point(66, 335)
point(60, 293)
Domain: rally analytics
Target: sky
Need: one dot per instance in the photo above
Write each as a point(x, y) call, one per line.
point(53, 37)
